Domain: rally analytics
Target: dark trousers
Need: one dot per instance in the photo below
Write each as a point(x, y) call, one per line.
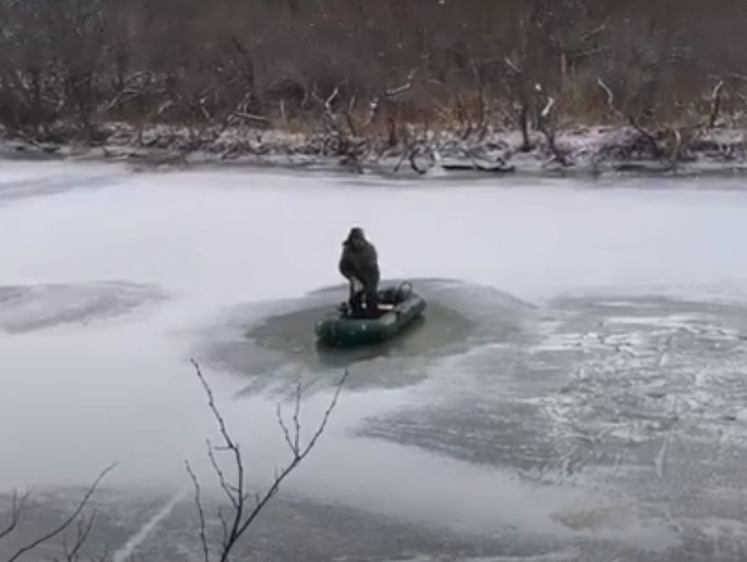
point(367, 294)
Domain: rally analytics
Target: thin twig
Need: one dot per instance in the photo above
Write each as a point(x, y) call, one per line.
point(211, 403)
point(221, 476)
point(224, 526)
point(296, 423)
point(200, 512)
point(281, 422)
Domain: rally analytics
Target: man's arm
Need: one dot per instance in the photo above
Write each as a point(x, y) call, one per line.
point(346, 265)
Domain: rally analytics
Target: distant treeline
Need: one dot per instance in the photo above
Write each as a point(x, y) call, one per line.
point(72, 64)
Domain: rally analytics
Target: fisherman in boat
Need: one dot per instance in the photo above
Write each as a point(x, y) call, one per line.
point(359, 265)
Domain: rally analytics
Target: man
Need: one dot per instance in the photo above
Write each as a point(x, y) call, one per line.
point(359, 265)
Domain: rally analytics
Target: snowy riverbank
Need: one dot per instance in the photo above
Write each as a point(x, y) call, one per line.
point(587, 151)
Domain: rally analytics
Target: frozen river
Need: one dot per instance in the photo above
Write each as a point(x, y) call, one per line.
point(577, 390)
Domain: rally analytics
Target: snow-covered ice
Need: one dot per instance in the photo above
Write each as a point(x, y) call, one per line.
point(587, 398)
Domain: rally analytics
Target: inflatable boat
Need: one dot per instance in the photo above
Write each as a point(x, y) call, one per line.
point(398, 307)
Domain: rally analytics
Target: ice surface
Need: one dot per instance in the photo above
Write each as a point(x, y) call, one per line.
point(564, 430)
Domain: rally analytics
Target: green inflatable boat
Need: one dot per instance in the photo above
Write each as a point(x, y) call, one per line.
point(399, 307)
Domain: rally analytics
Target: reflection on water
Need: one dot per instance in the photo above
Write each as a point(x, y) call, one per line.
point(277, 344)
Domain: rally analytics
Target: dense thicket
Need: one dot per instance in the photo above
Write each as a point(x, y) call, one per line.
point(81, 62)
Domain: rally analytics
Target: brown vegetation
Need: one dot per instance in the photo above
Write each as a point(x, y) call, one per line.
point(359, 69)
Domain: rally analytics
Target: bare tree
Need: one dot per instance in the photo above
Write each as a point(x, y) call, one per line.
point(70, 68)
point(244, 506)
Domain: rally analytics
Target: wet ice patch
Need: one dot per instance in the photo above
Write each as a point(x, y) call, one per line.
point(26, 308)
point(260, 341)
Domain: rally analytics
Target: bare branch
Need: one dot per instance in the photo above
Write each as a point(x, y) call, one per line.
point(84, 529)
point(200, 512)
point(349, 116)
point(251, 117)
point(286, 431)
point(397, 90)
point(224, 526)
point(66, 523)
point(548, 107)
point(413, 163)
point(648, 137)
point(715, 104)
point(511, 65)
point(213, 408)
point(332, 97)
point(296, 423)
point(546, 127)
point(227, 488)
point(608, 92)
point(296, 460)
point(675, 152)
point(404, 156)
point(241, 519)
point(592, 32)
point(15, 512)
point(236, 495)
